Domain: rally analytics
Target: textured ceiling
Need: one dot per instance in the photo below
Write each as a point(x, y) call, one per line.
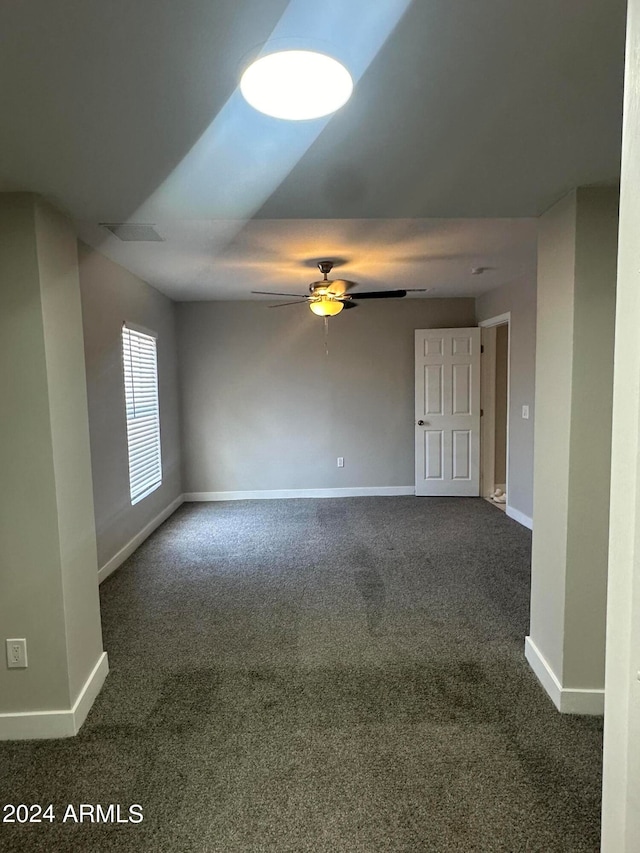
point(231, 259)
point(473, 109)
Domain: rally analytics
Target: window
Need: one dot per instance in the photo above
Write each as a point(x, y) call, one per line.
point(140, 361)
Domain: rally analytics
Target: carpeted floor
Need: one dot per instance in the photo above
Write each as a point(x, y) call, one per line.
point(319, 675)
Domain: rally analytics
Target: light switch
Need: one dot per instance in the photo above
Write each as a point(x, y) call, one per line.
point(525, 412)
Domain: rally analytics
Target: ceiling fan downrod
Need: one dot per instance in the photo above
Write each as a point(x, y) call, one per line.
point(325, 268)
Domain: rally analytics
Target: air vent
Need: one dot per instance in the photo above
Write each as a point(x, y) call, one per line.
point(133, 232)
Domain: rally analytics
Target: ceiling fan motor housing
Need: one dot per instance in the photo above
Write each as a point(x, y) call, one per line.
point(330, 289)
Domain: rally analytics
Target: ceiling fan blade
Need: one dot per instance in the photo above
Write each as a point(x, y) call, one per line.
point(297, 302)
point(349, 304)
point(380, 294)
point(272, 293)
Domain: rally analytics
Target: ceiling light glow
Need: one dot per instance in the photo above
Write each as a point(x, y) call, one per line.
point(326, 306)
point(296, 85)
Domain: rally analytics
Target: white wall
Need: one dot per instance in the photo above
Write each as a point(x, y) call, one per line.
point(621, 792)
point(111, 295)
point(264, 408)
point(519, 298)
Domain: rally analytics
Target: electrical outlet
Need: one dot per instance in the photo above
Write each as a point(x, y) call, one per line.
point(17, 654)
point(340, 461)
point(525, 412)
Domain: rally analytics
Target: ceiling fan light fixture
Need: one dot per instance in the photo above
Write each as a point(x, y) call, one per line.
point(326, 306)
point(296, 85)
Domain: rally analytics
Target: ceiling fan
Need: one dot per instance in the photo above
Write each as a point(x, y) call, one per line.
point(328, 297)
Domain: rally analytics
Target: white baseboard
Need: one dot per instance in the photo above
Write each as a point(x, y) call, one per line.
point(88, 694)
point(520, 517)
point(568, 700)
point(124, 553)
point(31, 725)
point(271, 494)
point(545, 675)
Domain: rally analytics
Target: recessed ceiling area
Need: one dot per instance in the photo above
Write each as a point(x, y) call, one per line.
point(474, 110)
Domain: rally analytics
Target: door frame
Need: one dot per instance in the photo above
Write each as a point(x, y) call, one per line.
point(488, 402)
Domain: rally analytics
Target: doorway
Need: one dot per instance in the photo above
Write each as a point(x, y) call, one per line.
point(494, 393)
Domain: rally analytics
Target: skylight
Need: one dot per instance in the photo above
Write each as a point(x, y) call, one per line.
point(296, 85)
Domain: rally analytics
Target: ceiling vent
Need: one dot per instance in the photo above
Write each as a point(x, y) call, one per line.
point(132, 232)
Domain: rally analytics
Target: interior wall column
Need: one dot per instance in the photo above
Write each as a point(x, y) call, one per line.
point(577, 248)
point(48, 565)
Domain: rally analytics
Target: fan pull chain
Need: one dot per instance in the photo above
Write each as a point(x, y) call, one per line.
point(326, 336)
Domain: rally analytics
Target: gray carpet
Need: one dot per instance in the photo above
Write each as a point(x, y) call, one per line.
point(320, 675)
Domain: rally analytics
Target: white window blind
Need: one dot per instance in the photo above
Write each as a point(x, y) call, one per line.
point(140, 361)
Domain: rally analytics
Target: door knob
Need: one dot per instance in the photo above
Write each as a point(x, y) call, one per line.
point(423, 423)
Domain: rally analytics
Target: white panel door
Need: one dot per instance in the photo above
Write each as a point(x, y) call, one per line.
point(448, 412)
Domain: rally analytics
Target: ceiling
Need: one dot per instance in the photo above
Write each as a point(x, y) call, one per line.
point(232, 259)
point(467, 116)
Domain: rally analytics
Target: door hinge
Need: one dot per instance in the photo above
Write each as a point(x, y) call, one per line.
point(481, 413)
point(481, 347)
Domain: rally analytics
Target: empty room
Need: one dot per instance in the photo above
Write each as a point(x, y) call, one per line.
point(320, 378)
